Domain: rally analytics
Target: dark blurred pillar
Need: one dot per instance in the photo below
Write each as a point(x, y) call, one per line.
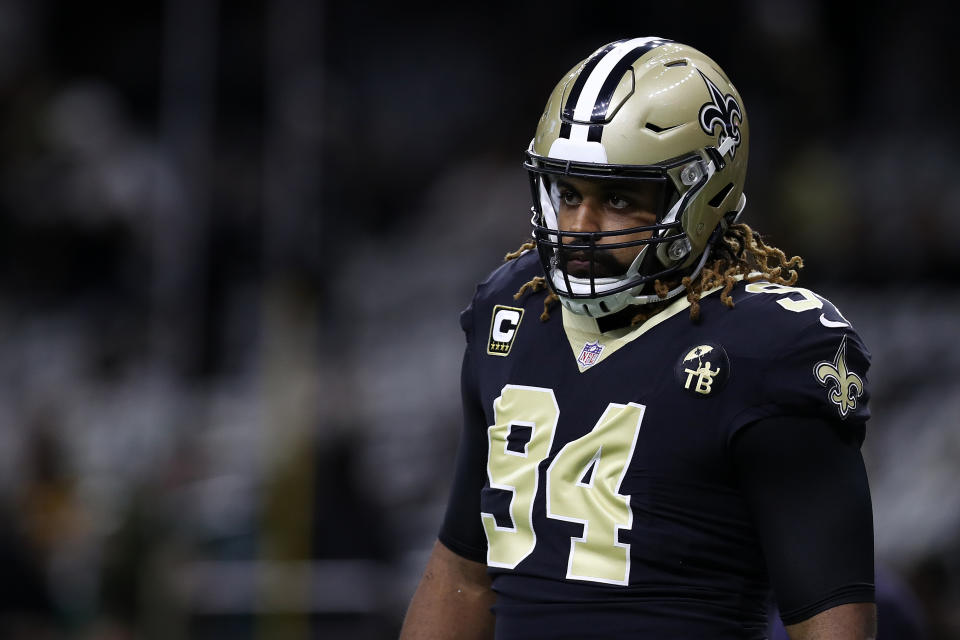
point(291, 300)
point(292, 146)
point(181, 214)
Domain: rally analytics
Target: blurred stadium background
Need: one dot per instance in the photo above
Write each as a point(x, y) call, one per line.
point(235, 239)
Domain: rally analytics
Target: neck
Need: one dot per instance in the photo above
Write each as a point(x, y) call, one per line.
point(625, 317)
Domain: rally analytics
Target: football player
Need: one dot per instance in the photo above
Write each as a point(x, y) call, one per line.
point(660, 426)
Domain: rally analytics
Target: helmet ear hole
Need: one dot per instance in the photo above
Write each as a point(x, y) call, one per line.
point(716, 200)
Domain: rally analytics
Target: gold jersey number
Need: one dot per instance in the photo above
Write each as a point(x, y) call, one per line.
point(582, 482)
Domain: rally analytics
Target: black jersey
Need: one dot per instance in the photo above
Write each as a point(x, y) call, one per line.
point(595, 477)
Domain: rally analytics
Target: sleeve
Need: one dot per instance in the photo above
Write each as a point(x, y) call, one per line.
point(824, 374)
point(806, 486)
point(819, 373)
point(462, 530)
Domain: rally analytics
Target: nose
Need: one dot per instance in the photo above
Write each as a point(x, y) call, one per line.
point(584, 218)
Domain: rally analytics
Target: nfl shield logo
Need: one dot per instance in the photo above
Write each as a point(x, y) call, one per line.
point(590, 354)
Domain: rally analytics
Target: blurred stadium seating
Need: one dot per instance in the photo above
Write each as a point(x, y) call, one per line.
point(235, 239)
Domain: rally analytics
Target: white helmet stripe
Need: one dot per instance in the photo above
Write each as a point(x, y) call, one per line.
point(592, 91)
point(585, 71)
point(583, 110)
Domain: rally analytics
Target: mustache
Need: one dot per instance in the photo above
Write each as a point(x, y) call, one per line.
point(604, 264)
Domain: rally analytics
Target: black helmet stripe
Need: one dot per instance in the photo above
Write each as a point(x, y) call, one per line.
point(566, 115)
point(581, 80)
point(608, 84)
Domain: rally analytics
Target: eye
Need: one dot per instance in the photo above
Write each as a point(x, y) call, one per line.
point(618, 202)
point(570, 198)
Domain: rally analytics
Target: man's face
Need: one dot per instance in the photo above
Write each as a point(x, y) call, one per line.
point(604, 205)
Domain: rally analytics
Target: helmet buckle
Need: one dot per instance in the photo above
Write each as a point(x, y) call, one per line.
point(679, 249)
point(692, 173)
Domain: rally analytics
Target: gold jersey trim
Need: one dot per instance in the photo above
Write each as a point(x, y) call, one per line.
point(581, 329)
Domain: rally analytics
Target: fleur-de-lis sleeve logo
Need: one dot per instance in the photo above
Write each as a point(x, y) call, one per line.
point(844, 387)
point(722, 111)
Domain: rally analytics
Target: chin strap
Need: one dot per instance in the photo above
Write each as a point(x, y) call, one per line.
point(733, 217)
point(725, 147)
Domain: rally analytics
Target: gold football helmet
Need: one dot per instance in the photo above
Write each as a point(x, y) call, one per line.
point(640, 109)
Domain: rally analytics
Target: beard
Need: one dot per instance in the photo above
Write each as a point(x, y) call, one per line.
point(578, 263)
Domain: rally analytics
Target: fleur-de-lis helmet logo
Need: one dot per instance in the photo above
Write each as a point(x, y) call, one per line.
point(723, 111)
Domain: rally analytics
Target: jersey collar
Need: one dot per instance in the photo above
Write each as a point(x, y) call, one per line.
point(591, 346)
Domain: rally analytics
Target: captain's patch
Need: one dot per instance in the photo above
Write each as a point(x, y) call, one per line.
point(844, 387)
point(703, 370)
point(503, 329)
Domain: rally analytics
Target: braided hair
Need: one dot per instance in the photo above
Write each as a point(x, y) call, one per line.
point(739, 254)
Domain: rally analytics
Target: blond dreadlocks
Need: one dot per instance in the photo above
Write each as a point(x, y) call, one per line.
point(741, 254)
